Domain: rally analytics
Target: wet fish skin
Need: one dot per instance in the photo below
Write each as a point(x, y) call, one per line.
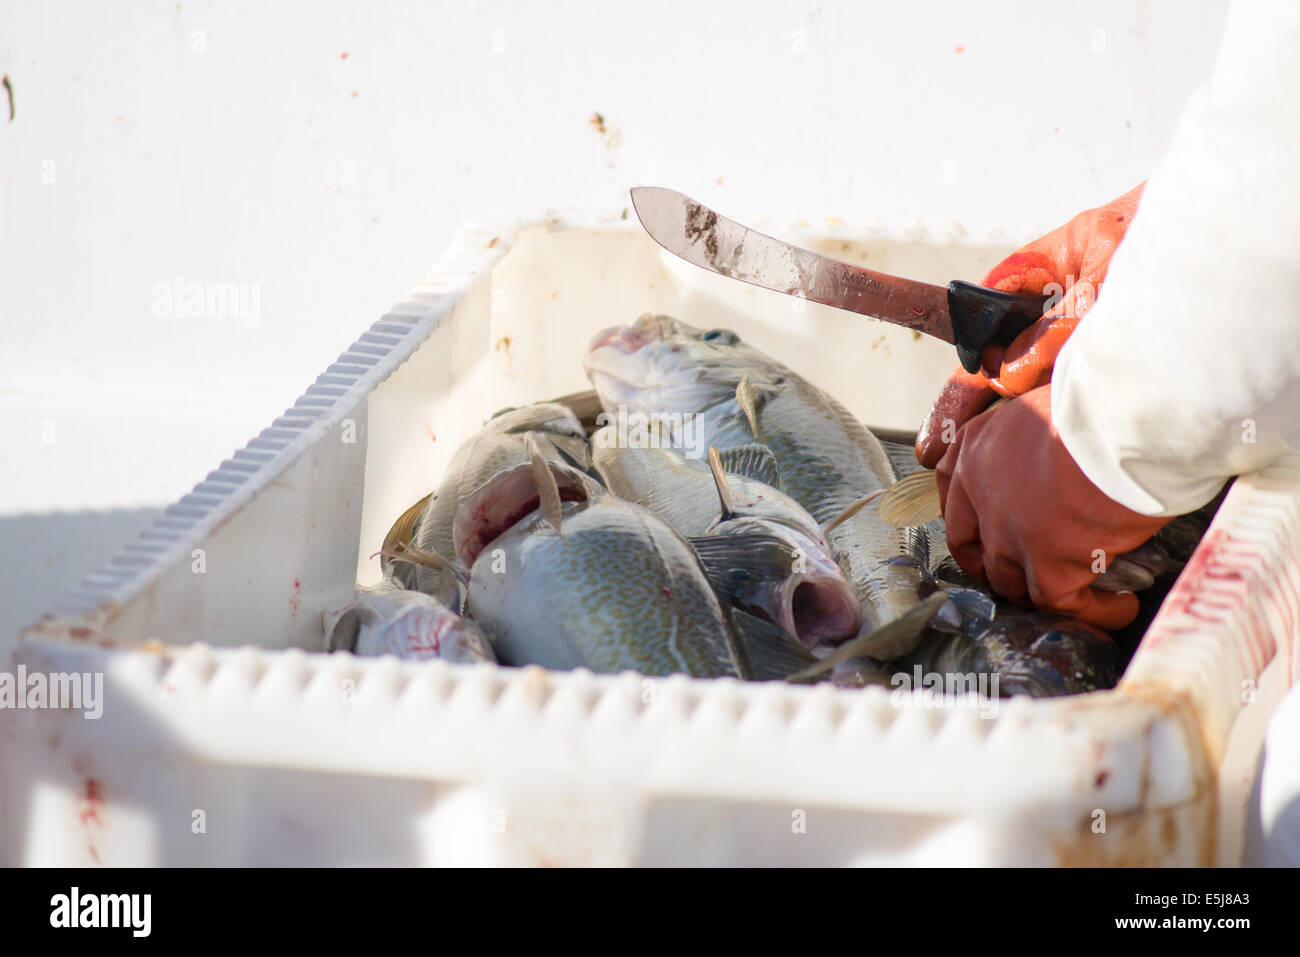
point(827, 459)
point(766, 555)
point(387, 619)
point(614, 588)
point(681, 490)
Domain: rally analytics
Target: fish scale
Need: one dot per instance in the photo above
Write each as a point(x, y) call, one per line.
point(615, 589)
point(828, 459)
point(764, 553)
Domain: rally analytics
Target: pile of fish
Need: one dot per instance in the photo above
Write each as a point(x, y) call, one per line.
point(706, 510)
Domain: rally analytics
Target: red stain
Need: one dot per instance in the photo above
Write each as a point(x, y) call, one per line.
point(426, 643)
point(1101, 778)
point(917, 312)
point(295, 600)
point(429, 431)
point(343, 55)
point(94, 798)
point(1214, 584)
point(959, 49)
point(1119, 219)
point(667, 593)
point(354, 94)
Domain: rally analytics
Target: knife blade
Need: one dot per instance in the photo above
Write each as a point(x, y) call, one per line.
point(969, 316)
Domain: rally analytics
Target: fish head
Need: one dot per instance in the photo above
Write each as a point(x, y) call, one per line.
point(509, 497)
point(409, 625)
point(1051, 655)
point(662, 365)
point(783, 574)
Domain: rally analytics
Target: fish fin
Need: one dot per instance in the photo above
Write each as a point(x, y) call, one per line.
point(548, 491)
point(414, 554)
point(720, 480)
point(403, 530)
point(573, 450)
point(771, 654)
point(1124, 575)
point(882, 642)
point(851, 510)
point(724, 556)
point(912, 500)
point(748, 399)
point(977, 609)
point(754, 461)
point(947, 570)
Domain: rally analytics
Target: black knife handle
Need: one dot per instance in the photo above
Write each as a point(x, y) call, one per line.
point(982, 317)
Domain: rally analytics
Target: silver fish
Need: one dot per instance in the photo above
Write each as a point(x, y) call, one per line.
point(500, 444)
point(762, 551)
point(736, 395)
point(599, 582)
point(388, 619)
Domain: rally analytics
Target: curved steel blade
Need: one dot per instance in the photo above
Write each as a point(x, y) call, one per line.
point(712, 241)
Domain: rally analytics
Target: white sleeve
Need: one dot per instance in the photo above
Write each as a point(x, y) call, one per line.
point(1187, 370)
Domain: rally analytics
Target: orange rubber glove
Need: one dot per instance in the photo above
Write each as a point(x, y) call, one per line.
point(1075, 257)
point(1022, 517)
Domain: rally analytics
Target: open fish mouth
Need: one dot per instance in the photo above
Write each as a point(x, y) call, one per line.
point(504, 500)
point(821, 611)
point(618, 360)
point(628, 338)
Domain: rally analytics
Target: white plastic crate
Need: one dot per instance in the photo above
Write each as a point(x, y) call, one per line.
point(227, 738)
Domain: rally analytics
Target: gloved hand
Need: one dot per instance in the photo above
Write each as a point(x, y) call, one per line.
point(1022, 517)
point(1076, 257)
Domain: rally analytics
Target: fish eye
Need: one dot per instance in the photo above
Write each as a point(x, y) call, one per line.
point(724, 337)
point(1052, 637)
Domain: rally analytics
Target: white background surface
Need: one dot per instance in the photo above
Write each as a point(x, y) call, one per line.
point(322, 155)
